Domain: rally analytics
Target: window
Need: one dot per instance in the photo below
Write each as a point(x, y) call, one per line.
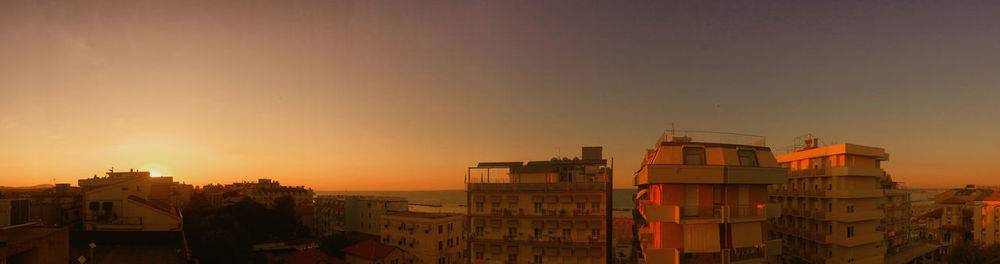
point(479, 206)
point(496, 205)
point(538, 208)
point(595, 232)
point(479, 230)
point(596, 206)
point(124, 188)
point(479, 255)
point(581, 206)
point(748, 158)
point(106, 206)
point(538, 259)
point(829, 207)
point(94, 206)
point(451, 227)
point(850, 208)
point(829, 230)
point(850, 231)
point(440, 245)
point(512, 258)
point(567, 232)
point(538, 232)
point(512, 231)
point(440, 229)
point(829, 186)
point(694, 156)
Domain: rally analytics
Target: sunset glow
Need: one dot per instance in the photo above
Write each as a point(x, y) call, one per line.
point(406, 95)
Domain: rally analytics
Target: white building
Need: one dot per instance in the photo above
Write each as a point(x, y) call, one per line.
point(354, 213)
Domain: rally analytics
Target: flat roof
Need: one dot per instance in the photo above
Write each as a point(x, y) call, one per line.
point(421, 214)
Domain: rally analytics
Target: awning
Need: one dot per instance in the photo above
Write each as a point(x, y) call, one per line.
point(641, 195)
point(701, 238)
point(746, 234)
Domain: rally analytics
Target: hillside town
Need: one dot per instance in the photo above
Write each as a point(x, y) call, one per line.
point(722, 198)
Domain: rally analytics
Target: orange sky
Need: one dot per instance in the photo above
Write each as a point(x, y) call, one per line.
point(397, 95)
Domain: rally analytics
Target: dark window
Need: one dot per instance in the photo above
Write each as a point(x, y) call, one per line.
point(694, 156)
point(748, 158)
point(106, 206)
point(94, 206)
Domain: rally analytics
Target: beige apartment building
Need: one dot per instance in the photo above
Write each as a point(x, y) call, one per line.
point(833, 205)
point(968, 215)
point(703, 199)
point(129, 201)
point(430, 238)
point(354, 213)
point(554, 211)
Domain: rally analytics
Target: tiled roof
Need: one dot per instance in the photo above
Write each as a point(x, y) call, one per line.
point(369, 249)
point(995, 197)
point(932, 214)
point(311, 256)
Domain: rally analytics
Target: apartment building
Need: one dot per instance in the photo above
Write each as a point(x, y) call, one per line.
point(22, 241)
point(962, 216)
point(834, 205)
point(128, 201)
point(354, 213)
point(553, 211)
point(703, 199)
point(429, 238)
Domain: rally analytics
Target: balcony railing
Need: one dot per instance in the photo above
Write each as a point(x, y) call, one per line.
point(538, 187)
point(131, 220)
point(745, 253)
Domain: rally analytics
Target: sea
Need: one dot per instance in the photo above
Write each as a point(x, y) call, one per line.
point(454, 201)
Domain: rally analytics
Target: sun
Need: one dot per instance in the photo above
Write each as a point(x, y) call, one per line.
point(154, 174)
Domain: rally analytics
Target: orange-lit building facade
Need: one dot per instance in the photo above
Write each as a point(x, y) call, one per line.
point(834, 205)
point(705, 202)
point(553, 211)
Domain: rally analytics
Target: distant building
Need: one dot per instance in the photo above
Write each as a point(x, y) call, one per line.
point(129, 201)
point(264, 192)
point(968, 215)
point(373, 252)
point(430, 238)
point(703, 199)
point(553, 211)
point(354, 213)
point(27, 242)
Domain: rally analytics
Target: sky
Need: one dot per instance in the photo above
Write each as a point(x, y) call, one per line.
point(404, 95)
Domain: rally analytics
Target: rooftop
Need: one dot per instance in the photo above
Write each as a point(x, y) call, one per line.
point(711, 137)
point(422, 215)
point(369, 249)
point(310, 256)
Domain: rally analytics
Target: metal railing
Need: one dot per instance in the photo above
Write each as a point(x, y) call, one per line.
point(745, 253)
point(537, 187)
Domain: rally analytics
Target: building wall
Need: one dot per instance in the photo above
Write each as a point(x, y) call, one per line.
point(427, 240)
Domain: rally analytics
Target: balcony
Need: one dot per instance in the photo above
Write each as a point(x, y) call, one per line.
point(836, 171)
point(710, 174)
point(662, 255)
point(760, 212)
point(858, 240)
point(857, 216)
point(773, 247)
point(754, 254)
point(660, 213)
point(538, 187)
